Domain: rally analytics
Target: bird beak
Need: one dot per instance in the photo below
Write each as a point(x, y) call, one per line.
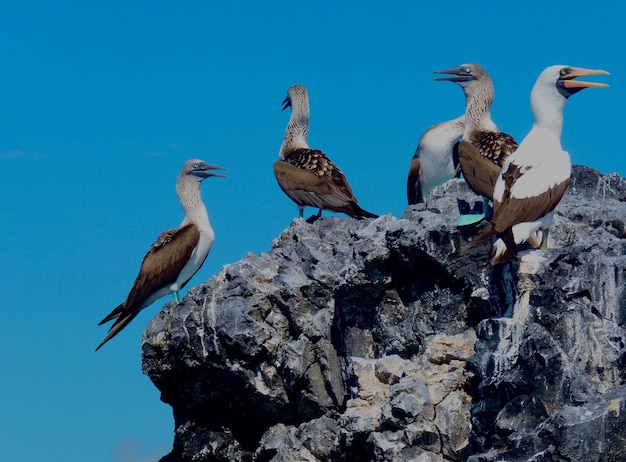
point(459, 75)
point(202, 170)
point(286, 103)
point(582, 72)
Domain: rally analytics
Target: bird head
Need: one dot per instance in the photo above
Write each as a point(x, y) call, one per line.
point(297, 94)
point(464, 74)
point(473, 79)
point(563, 77)
point(553, 87)
point(200, 169)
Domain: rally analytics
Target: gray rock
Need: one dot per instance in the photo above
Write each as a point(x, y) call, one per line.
point(381, 340)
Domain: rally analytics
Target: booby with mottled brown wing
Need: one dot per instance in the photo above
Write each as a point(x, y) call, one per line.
point(484, 147)
point(176, 255)
point(308, 176)
point(535, 177)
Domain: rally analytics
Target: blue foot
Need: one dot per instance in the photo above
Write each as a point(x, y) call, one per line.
point(175, 295)
point(470, 219)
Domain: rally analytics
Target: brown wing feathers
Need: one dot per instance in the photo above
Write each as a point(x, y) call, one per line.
point(159, 268)
point(481, 160)
point(310, 178)
point(413, 191)
point(512, 211)
point(163, 263)
point(495, 146)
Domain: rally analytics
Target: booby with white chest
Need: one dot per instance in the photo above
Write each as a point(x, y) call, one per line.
point(176, 255)
point(433, 162)
point(535, 177)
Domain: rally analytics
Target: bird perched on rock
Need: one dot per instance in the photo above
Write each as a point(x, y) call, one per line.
point(433, 164)
point(484, 148)
point(176, 255)
point(535, 177)
point(308, 176)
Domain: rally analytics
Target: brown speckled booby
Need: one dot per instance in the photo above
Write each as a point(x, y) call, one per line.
point(308, 176)
point(484, 148)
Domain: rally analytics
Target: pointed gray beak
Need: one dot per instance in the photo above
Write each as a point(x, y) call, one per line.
point(458, 75)
point(286, 103)
point(201, 169)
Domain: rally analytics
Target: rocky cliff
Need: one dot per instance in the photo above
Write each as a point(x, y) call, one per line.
point(380, 340)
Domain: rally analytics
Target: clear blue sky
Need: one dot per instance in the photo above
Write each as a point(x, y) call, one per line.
point(102, 102)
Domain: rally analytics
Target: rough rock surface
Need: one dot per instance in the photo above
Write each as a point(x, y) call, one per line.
point(381, 340)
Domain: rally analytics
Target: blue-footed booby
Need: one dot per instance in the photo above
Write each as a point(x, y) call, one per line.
point(535, 177)
point(433, 163)
point(306, 175)
point(176, 255)
point(484, 148)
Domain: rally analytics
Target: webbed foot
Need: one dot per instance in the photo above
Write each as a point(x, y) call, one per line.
point(470, 219)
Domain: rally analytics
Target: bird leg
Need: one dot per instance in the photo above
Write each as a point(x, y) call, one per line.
point(485, 206)
point(175, 295)
point(544, 239)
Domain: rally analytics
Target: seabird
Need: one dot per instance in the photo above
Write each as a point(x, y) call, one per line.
point(176, 255)
point(484, 148)
point(306, 175)
point(432, 164)
point(535, 177)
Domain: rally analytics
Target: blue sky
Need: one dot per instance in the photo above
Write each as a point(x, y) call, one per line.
point(101, 104)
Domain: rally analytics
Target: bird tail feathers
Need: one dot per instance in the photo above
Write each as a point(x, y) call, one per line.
point(113, 314)
point(118, 326)
point(362, 214)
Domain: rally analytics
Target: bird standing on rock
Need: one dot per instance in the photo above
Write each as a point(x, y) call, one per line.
point(535, 177)
point(308, 176)
point(176, 255)
point(484, 148)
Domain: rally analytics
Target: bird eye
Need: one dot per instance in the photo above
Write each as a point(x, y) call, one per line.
point(468, 70)
point(563, 71)
point(196, 165)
